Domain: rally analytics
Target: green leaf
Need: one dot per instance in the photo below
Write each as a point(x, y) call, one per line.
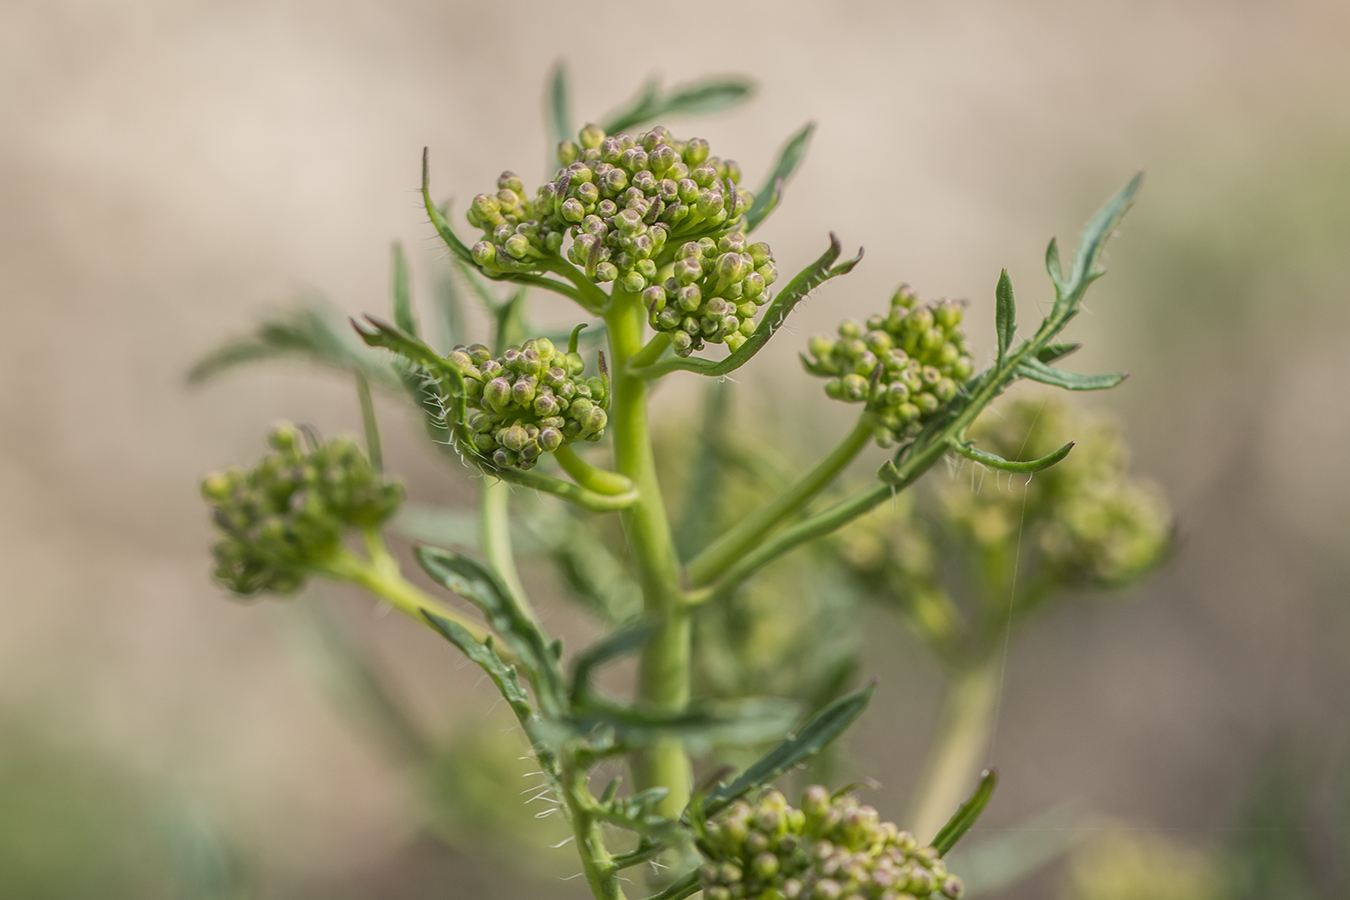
point(807, 280)
point(485, 654)
point(819, 731)
point(1098, 231)
point(694, 99)
point(1002, 860)
point(967, 814)
point(1052, 265)
point(558, 112)
point(628, 639)
point(769, 195)
point(593, 575)
point(376, 332)
point(449, 307)
point(1005, 316)
point(311, 331)
point(1052, 352)
point(401, 291)
point(994, 461)
point(478, 584)
point(1036, 370)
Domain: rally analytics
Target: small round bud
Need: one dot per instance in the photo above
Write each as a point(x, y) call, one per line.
point(484, 253)
point(591, 136)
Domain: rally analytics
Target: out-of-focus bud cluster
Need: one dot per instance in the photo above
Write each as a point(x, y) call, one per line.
point(904, 365)
point(1091, 522)
point(531, 399)
point(713, 294)
point(830, 849)
point(1131, 865)
point(289, 513)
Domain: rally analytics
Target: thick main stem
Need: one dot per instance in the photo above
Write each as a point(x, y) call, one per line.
point(663, 673)
point(958, 749)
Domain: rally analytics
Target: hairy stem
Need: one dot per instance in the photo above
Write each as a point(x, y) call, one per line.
point(601, 872)
point(717, 558)
point(663, 673)
point(964, 727)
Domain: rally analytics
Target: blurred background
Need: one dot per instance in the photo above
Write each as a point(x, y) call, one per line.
point(170, 171)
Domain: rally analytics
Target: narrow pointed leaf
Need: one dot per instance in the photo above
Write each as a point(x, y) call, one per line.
point(994, 461)
point(789, 158)
point(1052, 265)
point(1005, 314)
point(1052, 352)
point(742, 722)
point(485, 655)
point(438, 219)
point(967, 814)
point(694, 99)
point(400, 289)
point(628, 639)
point(1094, 238)
point(810, 739)
point(1071, 381)
point(558, 112)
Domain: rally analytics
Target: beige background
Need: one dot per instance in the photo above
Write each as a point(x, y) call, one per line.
point(170, 169)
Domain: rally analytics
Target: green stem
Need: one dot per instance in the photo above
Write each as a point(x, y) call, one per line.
point(495, 525)
point(591, 477)
point(664, 669)
point(957, 751)
point(652, 352)
point(731, 546)
point(381, 575)
point(601, 872)
point(372, 428)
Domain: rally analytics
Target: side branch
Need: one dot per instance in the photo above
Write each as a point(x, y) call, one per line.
point(806, 281)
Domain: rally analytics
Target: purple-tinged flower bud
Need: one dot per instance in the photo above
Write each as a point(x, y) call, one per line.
point(587, 193)
point(517, 246)
point(695, 151)
point(497, 393)
point(572, 210)
point(709, 204)
point(484, 253)
point(550, 438)
point(654, 298)
point(688, 190)
point(616, 180)
point(682, 343)
point(523, 391)
point(854, 388)
point(606, 271)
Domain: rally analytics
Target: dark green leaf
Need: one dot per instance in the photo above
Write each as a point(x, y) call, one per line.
point(819, 730)
point(1071, 381)
point(678, 889)
point(1052, 352)
point(967, 814)
point(401, 290)
point(485, 655)
point(994, 461)
point(771, 192)
point(628, 639)
point(558, 112)
point(695, 99)
point(1005, 315)
point(478, 584)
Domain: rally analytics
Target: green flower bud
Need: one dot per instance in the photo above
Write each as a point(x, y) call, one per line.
point(568, 152)
point(484, 253)
point(591, 136)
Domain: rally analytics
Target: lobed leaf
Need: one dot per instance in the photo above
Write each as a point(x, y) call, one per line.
point(485, 655)
point(811, 738)
point(701, 726)
point(1095, 235)
point(628, 639)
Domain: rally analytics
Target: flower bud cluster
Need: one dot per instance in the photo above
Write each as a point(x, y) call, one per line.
point(713, 294)
point(518, 234)
point(830, 849)
point(904, 365)
point(1089, 518)
point(531, 399)
point(289, 513)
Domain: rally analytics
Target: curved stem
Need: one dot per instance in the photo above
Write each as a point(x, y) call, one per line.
point(573, 493)
point(958, 749)
point(495, 523)
point(731, 546)
point(664, 669)
point(652, 351)
point(602, 481)
point(381, 575)
point(588, 295)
